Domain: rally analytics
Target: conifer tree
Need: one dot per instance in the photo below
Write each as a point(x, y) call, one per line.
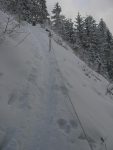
point(57, 17)
point(90, 40)
point(79, 26)
point(102, 34)
point(69, 30)
point(109, 54)
point(43, 13)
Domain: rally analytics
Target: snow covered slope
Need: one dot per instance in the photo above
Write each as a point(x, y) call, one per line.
point(36, 87)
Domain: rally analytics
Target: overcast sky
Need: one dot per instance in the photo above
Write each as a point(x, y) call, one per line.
point(97, 8)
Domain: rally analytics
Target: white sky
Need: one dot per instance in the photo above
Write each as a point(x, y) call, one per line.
point(97, 8)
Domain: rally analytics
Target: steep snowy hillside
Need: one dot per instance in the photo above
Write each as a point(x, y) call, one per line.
point(41, 92)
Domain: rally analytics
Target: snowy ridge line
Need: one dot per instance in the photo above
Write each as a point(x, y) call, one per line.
point(73, 107)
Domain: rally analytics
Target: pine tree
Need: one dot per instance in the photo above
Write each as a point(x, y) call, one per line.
point(62, 26)
point(90, 40)
point(79, 26)
point(102, 29)
point(109, 54)
point(102, 33)
point(43, 13)
point(22, 9)
point(68, 31)
point(35, 11)
point(57, 17)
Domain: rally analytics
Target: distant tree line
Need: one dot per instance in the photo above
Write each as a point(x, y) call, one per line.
point(91, 41)
point(28, 10)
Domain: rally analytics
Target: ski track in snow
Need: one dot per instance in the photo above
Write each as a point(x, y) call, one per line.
point(42, 117)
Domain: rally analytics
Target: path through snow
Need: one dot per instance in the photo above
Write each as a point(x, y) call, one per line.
point(39, 105)
point(35, 111)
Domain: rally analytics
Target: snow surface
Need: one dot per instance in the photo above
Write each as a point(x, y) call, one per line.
point(35, 91)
